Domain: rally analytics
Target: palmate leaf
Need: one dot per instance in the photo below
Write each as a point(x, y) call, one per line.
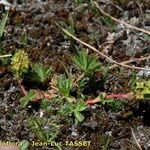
point(87, 63)
point(93, 64)
point(64, 85)
point(80, 61)
point(43, 73)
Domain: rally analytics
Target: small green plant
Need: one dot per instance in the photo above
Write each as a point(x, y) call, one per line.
point(45, 129)
point(78, 2)
point(42, 73)
point(69, 25)
point(142, 89)
point(133, 79)
point(51, 105)
point(115, 105)
point(26, 99)
point(64, 86)
point(87, 63)
point(82, 83)
point(24, 39)
point(94, 8)
point(75, 109)
point(109, 23)
point(19, 63)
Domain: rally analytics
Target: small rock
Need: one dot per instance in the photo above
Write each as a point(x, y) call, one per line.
point(74, 134)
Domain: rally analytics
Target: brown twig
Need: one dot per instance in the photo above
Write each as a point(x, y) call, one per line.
point(101, 54)
point(130, 61)
point(121, 21)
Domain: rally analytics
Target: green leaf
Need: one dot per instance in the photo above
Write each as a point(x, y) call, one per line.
point(24, 144)
point(3, 24)
point(64, 85)
point(26, 99)
point(81, 106)
point(79, 116)
point(42, 73)
point(86, 63)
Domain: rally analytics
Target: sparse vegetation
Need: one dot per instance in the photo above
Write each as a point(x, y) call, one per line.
point(85, 84)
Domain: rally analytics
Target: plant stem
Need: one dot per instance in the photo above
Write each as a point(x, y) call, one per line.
point(128, 96)
point(23, 90)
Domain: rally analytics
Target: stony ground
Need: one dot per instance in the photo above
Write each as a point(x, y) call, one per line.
point(105, 128)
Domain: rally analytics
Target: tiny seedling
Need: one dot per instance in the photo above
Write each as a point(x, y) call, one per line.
point(86, 63)
point(109, 23)
point(19, 63)
point(69, 25)
point(94, 8)
point(133, 79)
point(26, 99)
point(78, 2)
point(41, 72)
point(64, 86)
point(24, 39)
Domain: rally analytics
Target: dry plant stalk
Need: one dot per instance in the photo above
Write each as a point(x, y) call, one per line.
point(121, 21)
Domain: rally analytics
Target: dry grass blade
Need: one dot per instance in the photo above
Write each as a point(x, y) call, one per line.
point(8, 55)
point(121, 21)
point(131, 60)
point(135, 139)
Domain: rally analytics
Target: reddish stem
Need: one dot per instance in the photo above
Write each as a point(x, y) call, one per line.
point(118, 96)
point(39, 94)
point(23, 90)
point(128, 96)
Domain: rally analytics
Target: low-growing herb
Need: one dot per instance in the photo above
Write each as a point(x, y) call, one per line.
point(75, 109)
point(46, 130)
point(41, 72)
point(86, 63)
point(64, 85)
